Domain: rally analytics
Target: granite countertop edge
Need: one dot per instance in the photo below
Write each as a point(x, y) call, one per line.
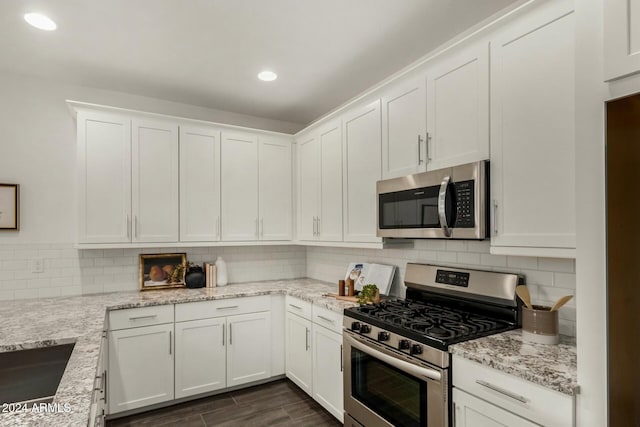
point(81, 320)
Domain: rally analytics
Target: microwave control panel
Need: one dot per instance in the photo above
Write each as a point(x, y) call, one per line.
point(465, 201)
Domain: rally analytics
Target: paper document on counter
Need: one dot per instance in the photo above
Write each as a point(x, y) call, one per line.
point(366, 273)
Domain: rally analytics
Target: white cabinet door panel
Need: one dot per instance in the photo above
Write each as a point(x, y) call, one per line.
point(104, 178)
point(275, 188)
point(308, 186)
point(362, 169)
point(248, 358)
point(239, 185)
point(200, 364)
point(140, 367)
point(327, 370)
point(199, 184)
point(329, 224)
point(621, 38)
point(155, 181)
point(532, 128)
point(298, 356)
point(458, 108)
point(404, 128)
point(473, 412)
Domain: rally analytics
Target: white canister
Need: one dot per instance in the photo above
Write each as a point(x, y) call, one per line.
point(221, 267)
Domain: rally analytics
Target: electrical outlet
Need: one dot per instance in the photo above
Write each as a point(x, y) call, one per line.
point(38, 265)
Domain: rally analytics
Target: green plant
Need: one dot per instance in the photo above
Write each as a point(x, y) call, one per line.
point(369, 293)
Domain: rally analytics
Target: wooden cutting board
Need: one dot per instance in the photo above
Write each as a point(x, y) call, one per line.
point(343, 298)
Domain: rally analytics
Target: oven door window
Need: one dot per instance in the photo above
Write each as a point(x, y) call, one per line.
point(409, 209)
point(396, 396)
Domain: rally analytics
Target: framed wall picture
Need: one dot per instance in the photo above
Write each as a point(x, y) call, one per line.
point(9, 207)
point(162, 271)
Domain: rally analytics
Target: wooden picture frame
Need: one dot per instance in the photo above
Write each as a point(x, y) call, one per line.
point(10, 207)
point(155, 270)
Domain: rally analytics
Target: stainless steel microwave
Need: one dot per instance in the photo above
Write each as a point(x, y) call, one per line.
point(450, 203)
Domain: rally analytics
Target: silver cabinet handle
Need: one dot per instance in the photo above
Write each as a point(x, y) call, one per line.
point(230, 334)
point(135, 226)
point(227, 307)
point(223, 334)
point(106, 395)
point(295, 306)
point(442, 196)
point(427, 147)
point(341, 359)
point(326, 319)
point(494, 217)
point(318, 226)
point(306, 337)
point(128, 226)
point(150, 316)
point(314, 226)
point(501, 390)
point(420, 161)
point(170, 342)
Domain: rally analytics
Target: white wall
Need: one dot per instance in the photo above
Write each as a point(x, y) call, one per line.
point(38, 148)
point(547, 278)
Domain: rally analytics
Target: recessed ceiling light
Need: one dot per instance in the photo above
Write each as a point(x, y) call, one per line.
point(267, 76)
point(40, 21)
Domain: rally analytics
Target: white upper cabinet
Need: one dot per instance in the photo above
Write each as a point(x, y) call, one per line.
point(362, 169)
point(239, 185)
point(155, 202)
point(404, 119)
point(275, 204)
point(199, 184)
point(458, 107)
point(621, 38)
point(329, 219)
point(532, 131)
point(104, 178)
point(308, 185)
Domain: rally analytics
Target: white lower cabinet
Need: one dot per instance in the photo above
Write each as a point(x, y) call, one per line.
point(473, 412)
point(200, 356)
point(140, 367)
point(298, 356)
point(249, 338)
point(327, 370)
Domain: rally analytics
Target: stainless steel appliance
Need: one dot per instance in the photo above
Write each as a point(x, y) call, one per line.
point(396, 362)
point(450, 203)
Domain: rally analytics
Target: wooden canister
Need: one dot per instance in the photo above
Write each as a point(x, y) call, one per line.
point(341, 288)
point(351, 285)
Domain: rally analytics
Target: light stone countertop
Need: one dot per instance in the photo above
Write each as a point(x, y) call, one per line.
point(38, 323)
point(551, 366)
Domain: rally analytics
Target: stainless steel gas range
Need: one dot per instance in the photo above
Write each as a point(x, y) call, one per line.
point(397, 365)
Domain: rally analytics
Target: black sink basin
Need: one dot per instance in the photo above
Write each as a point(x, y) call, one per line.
point(32, 375)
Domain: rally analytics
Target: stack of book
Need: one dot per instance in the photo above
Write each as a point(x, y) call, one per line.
point(210, 274)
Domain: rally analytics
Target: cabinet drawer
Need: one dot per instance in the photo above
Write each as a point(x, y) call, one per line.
point(299, 307)
point(534, 402)
point(328, 318)
point(222, 307)
point(141, 316)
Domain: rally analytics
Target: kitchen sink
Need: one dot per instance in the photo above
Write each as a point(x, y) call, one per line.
point(32, 375)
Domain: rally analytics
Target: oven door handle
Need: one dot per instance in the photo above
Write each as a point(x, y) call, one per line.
point(442, 199)
point(407, 367)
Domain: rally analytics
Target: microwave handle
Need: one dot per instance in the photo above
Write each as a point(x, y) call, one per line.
point(442, 197)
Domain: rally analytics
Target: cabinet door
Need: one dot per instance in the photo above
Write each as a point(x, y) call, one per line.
point(298, 356)
point(104, 178)
point(140, 367)
point(473, 412)
point(200, 356)
point(329, 223)
point(404, 119)
point(239, 178)
point(275, 195)
point(532, 130)
point(458, 108)
point(308, 186)
point(155, 181)
point(199, 184)
point(327, 370)
point(248, 358)
point(362, 165)
point(621, 38)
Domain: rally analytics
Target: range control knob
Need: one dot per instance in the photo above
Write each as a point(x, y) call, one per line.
point(383, 336)
point(355, 326)
point(416, 349)
point(365, 329)
point(404, 344)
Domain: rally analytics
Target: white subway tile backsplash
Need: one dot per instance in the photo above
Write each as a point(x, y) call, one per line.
point(530, 263)
point(564, 280)
point(493, 260)
point(561, 265)
point(447, 257)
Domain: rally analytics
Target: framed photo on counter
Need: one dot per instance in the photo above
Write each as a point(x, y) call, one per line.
point(162, 271)
point(9, 207)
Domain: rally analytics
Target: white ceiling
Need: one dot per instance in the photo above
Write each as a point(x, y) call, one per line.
point(208, 52)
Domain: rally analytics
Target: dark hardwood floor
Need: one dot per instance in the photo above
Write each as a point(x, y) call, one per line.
point(280, 403)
